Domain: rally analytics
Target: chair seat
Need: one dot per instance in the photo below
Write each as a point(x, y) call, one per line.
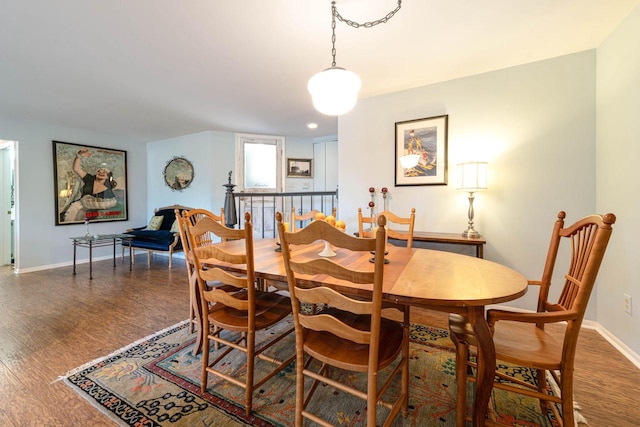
point(526, 345)
point(271, 307)
point(515, 342)
point(345, 354)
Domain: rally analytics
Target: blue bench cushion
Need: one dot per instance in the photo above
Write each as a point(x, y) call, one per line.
point(153, 239)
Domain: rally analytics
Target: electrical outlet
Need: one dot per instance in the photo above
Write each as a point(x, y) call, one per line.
point(627, 303)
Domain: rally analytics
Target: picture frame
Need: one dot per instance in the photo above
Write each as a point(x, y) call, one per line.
point(428, 138)
point(90, 183)
point(178, 173)
point(299, 168)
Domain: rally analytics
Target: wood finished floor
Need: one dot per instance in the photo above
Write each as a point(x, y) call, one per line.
point(52, 322)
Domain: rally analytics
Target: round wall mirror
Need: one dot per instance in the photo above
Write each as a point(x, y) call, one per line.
point(178, 173)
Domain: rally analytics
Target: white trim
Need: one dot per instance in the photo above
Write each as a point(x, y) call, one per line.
point(59, 265)
point(619, 345)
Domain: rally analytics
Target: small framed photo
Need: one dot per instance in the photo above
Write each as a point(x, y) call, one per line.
point(299, 168)
point(426, 139)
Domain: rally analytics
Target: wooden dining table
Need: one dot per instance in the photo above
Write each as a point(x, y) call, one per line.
point(437, 280)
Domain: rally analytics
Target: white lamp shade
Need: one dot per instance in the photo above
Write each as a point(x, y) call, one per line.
point(410, 160)
point(334, 91)
point(473, 176)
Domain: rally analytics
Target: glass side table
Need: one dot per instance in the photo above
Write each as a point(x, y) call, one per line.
point(100, 240)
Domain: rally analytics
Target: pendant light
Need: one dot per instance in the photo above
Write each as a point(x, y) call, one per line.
point(334, 91)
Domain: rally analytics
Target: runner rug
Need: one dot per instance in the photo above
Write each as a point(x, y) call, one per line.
point(156, 382)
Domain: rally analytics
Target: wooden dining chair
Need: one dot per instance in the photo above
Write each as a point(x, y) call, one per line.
point(193, 215)
point(348, 333)
point(404, 233)
point(298, 219)
point(235, 307)
point(367, 221)
point(521, 339)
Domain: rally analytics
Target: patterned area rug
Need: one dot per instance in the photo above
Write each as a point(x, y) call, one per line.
point(156, 382)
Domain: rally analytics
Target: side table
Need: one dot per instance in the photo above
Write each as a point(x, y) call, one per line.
point(99, 240)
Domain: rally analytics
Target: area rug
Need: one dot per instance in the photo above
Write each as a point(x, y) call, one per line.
point(156, 382)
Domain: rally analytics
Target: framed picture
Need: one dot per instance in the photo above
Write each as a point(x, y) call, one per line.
point(299, 168)
point(426, 138)
point(178, 173)
point(90, 183)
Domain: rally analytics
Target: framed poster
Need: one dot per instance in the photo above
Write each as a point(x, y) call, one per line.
point(428, 139)
point(299, 168)
point(178, 173)
point(90, 183)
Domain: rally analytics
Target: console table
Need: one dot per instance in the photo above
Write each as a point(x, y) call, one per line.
point(448, 238)
point(97, 241)
point(452, 239)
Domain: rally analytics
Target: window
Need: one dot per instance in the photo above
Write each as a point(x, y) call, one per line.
point(259, 163)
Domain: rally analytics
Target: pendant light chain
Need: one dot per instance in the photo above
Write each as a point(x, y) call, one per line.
point(366, 24)
point(334, 91)
point(335, 14)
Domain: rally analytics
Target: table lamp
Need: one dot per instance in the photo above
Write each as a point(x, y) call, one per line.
point(473, 177)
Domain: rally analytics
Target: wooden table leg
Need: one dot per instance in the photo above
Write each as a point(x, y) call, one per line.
point(90, 260)
point(75, 246)
point(486, 364)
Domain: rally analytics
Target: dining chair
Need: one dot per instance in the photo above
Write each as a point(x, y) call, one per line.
point(407, 224)
point(521, 338)
point(404, 233)
point(193, 215)
point(348, 333)
point(238, 310)
point(309, 216)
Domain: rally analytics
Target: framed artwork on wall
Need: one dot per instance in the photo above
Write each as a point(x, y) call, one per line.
point(299, 168)
point(178, 173)
point(426, 138)
point(90, 183)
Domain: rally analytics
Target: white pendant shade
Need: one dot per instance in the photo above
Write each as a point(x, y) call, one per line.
point(334, 91)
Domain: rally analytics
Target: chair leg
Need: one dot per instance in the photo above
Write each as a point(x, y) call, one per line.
point(462, 356)
point(299, 385)
point(192, 290)
point(205, 358)
point(405, 357)
point(542, 388)
point(251, 348)
point(567, 397)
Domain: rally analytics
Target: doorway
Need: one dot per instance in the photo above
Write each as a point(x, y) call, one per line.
point(7, 202)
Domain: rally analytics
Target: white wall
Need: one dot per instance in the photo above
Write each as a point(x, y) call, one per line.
point(299, 148)
point(534, 124)
point(40, 243)
point(212, 156)
point(618, 175)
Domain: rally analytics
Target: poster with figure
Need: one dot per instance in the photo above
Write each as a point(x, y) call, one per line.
point(426, 141)
point(90, 183)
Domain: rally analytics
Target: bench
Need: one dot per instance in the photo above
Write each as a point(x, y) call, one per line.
point(166, 238)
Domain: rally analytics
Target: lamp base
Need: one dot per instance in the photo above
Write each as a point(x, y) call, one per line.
point(470, 233)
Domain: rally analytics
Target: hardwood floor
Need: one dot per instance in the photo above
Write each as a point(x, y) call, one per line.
point(52, 322)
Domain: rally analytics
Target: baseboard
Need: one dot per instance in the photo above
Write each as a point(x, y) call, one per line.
point(59, 265)
point(619, 345)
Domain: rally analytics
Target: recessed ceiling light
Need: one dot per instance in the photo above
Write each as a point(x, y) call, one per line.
point(312, 125)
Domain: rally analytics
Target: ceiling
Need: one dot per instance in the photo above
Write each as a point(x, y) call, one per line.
point(155, 69)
